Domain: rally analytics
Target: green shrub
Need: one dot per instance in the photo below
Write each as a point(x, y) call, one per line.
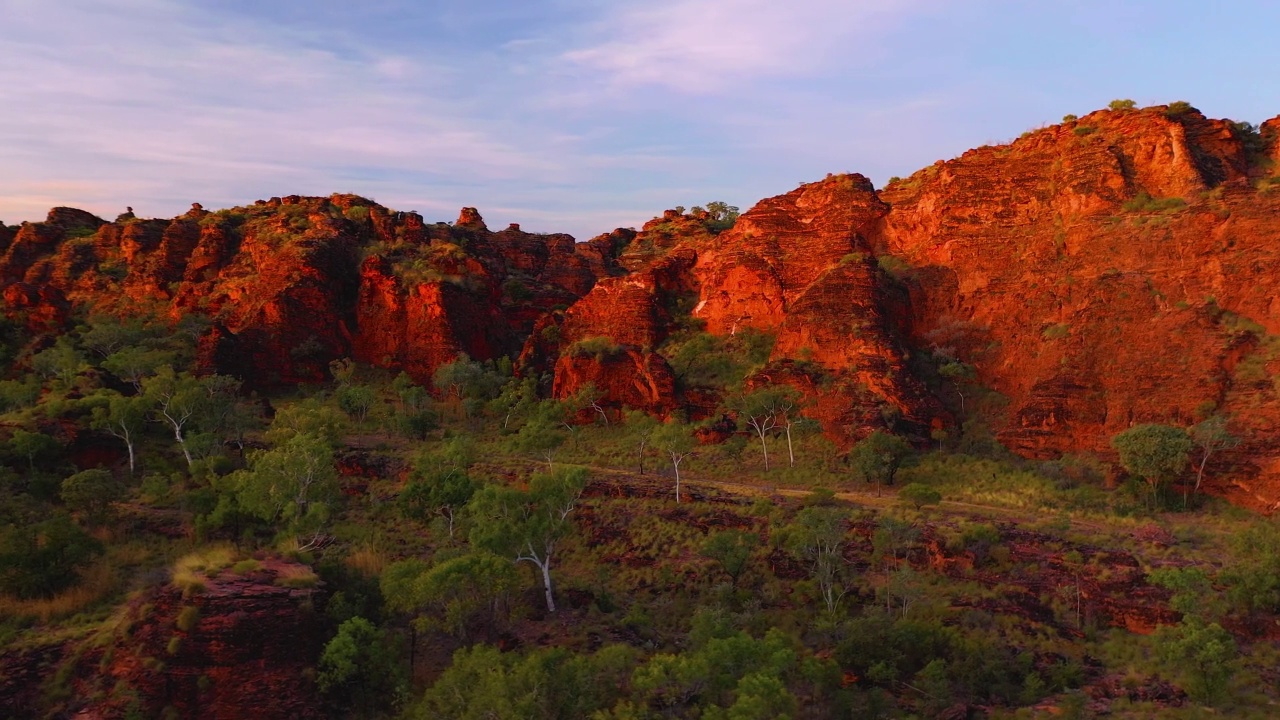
point(1083, 130)
point(1178, 108)
point(1143, 202)
point(1125, 104)
point(598, 347)
point(919, 495)
point(1070, 118)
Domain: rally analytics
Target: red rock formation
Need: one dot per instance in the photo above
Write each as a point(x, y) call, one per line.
point(242, 652)
point(1087, 305)
point(1111, 270)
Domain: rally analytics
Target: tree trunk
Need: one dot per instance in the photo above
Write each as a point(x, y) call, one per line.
point(642, 444)
point(765, 446)
point(790, 453)
point(546, 583)
point(676, 464)
point(129, 444)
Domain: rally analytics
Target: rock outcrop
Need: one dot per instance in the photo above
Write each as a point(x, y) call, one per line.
point(1111, 270)
point(242, 646)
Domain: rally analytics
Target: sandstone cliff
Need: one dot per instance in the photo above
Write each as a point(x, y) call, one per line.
point(1110, 270)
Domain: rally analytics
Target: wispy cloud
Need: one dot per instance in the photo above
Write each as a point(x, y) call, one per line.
point(704, 46)
point(148, 99)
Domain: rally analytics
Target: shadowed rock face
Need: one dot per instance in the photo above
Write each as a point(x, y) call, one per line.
point(244, 651)
point(1112, 270)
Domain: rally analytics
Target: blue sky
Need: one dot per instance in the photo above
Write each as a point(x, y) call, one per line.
point(570, 115)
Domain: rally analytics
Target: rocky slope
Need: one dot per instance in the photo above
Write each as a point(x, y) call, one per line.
point(1111, 270)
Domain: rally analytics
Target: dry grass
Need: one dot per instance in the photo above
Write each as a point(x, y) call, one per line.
point(366, 561)
point(297, 576)
point(98, 582)
point(192, 570)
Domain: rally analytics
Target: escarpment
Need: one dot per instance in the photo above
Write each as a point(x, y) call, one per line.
point(1111, 270)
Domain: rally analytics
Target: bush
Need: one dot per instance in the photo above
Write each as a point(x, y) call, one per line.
point(919, 495)
point(1119, 105)
point(1143, 202)
point(598, 347)
point(1178, 109)
point(43, 559)
point(1083, 130)
point(1070, 118)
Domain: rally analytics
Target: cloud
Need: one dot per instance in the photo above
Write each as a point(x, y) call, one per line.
point(705, 46)
point(129, 101)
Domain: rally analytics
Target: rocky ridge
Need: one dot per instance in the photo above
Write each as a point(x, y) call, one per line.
point(1110, 270)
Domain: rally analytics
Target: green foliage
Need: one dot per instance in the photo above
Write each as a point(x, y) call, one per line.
point(1253, 580)
point(764, 410)
point(359, 668)
point(1143, 202)
point(817, 535)
point(528, 525)
point(1069, 118)
point(31, 446)
point(918, 495)
point(1083, 130)
point(187, 618)
point(720, 216)
point(1205, 653)
point(44, 558)
point(356, 401)
point(62, 361)
point(1156, 453)
point(598, 347)
point(312, 417)
point(293, 485)
point(464, 591)
point(726, 672)
point(876, 458)
point(543, 433)
point(700, 359)
point(1178, 108)
point(731, 550)
point(547, 684)
point(442, 493)
point(1119, 105)
point(91, 492)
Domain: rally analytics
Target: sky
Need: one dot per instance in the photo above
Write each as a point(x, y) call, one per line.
point(570, 116)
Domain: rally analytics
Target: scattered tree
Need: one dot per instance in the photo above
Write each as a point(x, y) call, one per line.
point(642, 427)
point(731, 550)
point(125, 418)
point(763, 409)
point(818, 534)
point(528, 525)
point(293, 484)
point(91, 492)
point(918, 495)
point(877, 457)
point(1156, 453)
point(678, 443)
point(1210, 435)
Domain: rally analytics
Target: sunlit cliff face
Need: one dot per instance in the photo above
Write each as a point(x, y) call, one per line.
point(1111, 270)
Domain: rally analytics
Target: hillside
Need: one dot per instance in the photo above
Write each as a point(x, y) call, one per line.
point(1111, 270)
point(929, 450)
